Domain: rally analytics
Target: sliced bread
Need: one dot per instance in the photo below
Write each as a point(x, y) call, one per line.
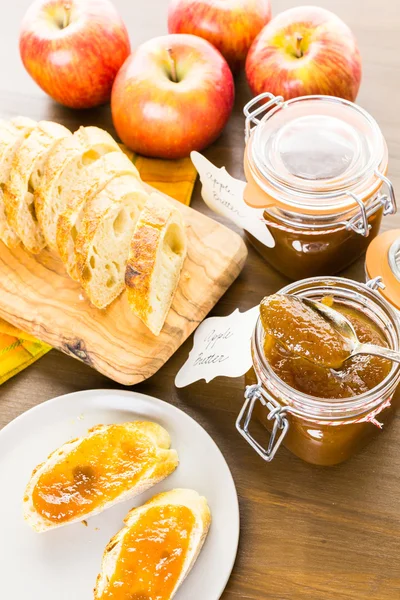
point(12, 135)
point(151, 556)
point(25, 174)
point(102, 245)
point(157, 253)
point(91, 182)
point(64, 168)
point(85, 476)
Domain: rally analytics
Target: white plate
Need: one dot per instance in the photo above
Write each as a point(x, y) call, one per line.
point(63, 564)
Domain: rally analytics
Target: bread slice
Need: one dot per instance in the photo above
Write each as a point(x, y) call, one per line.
point(26, 172)
point(91, 182)
point(102, 245)
point(64, 168)
point(157, 253)
point(85, 476)
point(149, 559)
point(12, 135)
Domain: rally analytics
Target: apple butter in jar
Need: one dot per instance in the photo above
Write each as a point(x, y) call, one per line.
point(322, 415)
point(317, 167)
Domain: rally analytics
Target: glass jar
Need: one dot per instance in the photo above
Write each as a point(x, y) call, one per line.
point(321, 431)
point(383, 265)
point(317, 166)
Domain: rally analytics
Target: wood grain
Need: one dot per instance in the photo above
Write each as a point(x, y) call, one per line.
point(37, 296)
point(307, 533)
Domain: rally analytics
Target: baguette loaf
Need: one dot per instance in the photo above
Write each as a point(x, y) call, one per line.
point(63, 170)
point(12, 136)
point(102, 245)
point(151, 556)
point(83, 197)
point(156, 257)
point(92, 181)
point(85, 476)
point(26, 172)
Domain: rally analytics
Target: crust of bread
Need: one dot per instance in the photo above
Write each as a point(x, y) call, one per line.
point(97, 240)
point(12, 135)
point(94, 180)
point(24, 178)
point(181, 497)
point(145, 266)
point(165, 463)
point(63, 170)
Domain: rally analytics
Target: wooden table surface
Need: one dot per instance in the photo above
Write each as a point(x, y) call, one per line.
point(307, 532)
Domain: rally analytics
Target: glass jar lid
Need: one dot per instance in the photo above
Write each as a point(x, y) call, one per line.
point(316, 153)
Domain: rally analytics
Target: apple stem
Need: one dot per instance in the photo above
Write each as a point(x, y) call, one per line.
point(298, 50)
point(174, 75)
point(66, 15)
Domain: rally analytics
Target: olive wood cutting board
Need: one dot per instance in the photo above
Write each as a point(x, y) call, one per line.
point(37, 296)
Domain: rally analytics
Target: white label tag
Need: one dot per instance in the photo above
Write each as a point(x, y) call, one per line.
point(221, 346)
point(224, 195)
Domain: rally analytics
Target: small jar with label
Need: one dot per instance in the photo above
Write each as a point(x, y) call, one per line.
point(323, 416)
point(317, 167)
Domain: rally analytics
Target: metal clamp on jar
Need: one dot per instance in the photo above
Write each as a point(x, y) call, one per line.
point(322, 431)
point(317, 166)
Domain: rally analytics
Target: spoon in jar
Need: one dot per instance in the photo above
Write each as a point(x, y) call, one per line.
point(343, 326)
point(315, 331)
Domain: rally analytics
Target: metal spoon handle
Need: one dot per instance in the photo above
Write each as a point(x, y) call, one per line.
point(377, 351)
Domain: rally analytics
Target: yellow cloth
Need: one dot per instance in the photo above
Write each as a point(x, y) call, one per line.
point(176, 178)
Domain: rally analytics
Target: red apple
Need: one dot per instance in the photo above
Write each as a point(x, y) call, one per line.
point(304, 51)
point(173, 95)
point(230, 25)
point(73, 49)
